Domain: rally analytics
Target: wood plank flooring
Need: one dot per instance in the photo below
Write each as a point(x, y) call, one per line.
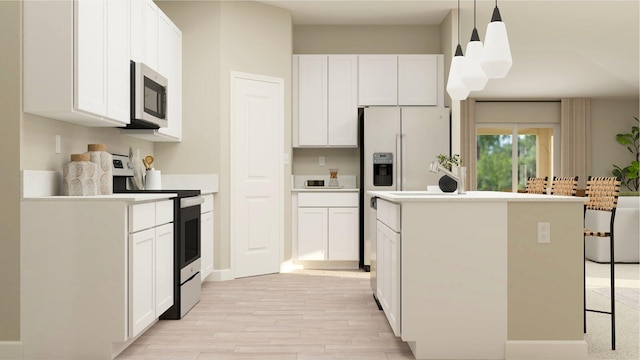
point(306, 315)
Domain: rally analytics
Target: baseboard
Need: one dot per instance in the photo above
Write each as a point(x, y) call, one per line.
point(543, 350)
point(10, 350)
point(221, 275)
point(327, 265)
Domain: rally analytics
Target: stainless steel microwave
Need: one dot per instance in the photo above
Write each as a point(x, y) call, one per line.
point(148, 98)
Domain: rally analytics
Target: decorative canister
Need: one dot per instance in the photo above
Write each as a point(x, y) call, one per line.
point(104, 160)
point(79, 176)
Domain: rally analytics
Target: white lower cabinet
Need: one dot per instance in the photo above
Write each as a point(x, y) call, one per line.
point(388, 262)
point(328, 226)
point(151, 264)
point(313, 226)
point(343, 229)
point(206, 237)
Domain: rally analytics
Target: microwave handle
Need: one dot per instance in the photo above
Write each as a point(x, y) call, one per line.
point(164, 102)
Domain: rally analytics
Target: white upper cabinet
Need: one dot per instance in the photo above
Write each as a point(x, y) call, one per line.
point(150, 39)
point(170, 65)
point(418, 79)
point(312, 100)
point(343, 100)
point(325, 107)
point(157, 42)
point(76, 56)
point(378, 80)
point(401, 80)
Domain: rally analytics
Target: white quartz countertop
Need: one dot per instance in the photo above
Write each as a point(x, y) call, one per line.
point(325, 189)
point(407, 196)
point(127, 197)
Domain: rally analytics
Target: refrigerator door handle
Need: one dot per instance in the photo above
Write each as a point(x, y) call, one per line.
point(403, 160)
point(398, 161)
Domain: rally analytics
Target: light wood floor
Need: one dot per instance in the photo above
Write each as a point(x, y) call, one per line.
point(304, 315)
point(316, 314)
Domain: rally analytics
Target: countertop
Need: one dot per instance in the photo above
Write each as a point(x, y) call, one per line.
point(325, 189)
point(127, 197)
point(406, 196)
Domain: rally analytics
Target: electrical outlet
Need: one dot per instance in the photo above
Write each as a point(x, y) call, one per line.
point(544, 233)
point(320, 160)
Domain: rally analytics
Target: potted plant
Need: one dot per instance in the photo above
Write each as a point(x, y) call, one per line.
point(446, 182)
point(629, 174)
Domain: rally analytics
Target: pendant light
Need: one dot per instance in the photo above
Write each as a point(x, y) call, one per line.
point(456, 89)
point(473, 76)
point(496, 60)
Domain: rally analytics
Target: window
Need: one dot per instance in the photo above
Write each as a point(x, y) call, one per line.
point(508, 154)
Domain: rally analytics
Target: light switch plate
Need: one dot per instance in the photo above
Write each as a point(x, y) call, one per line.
point(320, 160)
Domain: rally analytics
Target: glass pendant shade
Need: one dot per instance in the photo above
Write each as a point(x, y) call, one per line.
point(456, 89)
point(496, 60)
point(473, 76)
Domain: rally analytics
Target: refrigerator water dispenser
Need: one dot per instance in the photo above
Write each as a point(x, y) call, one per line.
point(382, 169)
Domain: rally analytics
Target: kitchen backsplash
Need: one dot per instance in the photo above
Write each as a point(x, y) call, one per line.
point(37, 183)
point(345, 181)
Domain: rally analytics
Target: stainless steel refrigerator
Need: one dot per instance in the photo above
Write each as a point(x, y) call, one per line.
point(399, 143)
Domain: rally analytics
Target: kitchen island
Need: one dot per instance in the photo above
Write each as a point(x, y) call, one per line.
point(472, 276)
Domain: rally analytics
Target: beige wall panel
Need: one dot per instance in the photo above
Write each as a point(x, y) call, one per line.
point(366, 39)
point(199, 151)
point(38, 142)
point(346, 160)
point(608, 118)
point(518, 112)
point(256, 39)
point(10, 113)
point(545, 280)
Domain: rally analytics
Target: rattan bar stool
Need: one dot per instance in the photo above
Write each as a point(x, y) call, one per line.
point(537, 185)
point(565, 186)
point(602, 195)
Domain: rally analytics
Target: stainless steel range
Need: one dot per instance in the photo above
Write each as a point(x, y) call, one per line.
point(187, 234)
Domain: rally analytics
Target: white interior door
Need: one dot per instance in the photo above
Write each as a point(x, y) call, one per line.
point(257, 116)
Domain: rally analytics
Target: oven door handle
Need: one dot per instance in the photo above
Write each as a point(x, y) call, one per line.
point(191, 201)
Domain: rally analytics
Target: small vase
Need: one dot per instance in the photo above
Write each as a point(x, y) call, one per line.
point(447, 184)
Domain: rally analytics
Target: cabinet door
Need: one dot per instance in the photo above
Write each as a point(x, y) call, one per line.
point(164, 268)
point(206, 235)
point(141, 281)
point(312, 233)
point(343, 234)
point(118, 68)
point(417, 80)
point(312, 100)
point(388, 275)
point(343, 100)
point(377, 80)
point(136, 44)
point(170, 66)
point(150, 35)
point(90, 56)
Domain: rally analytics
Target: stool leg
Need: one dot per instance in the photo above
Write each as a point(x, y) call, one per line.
point(584, 290)
point(613, 296)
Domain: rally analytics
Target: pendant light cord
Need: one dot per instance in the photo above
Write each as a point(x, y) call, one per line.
point(459, 21)
point(474, 13)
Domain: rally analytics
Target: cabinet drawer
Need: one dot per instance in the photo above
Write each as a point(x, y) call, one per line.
point(328, 199)
point(142, 216)
point(389, 214)
point(207, 205)
point(164, 212)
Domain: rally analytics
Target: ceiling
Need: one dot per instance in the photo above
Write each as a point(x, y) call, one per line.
point(559, 48)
